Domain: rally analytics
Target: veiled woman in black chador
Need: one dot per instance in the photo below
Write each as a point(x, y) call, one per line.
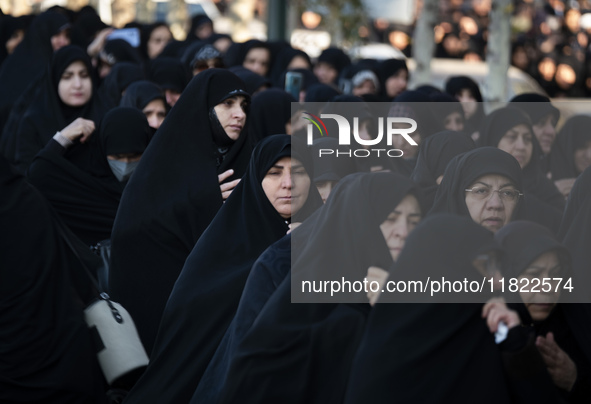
point(175, 193)
point(206, 295)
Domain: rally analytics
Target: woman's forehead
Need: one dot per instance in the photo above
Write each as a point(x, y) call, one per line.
point(494, 179)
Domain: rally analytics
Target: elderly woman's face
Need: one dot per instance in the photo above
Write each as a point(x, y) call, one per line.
point(399, 223)
point(232, 115)
point(518, 143)
point(75, 86)
point(491, 201)
point(540, 304)
point(287, 185)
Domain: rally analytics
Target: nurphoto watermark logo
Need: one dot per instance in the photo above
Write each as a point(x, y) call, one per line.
point(359, 138)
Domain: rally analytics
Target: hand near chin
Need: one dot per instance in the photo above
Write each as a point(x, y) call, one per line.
point(227, 188)
point(561, 367)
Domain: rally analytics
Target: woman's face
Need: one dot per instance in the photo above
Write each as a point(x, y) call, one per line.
point(400, 223)
point(396, 83)
point(75, 86)
point(489, 208)
point(286, 185)
point(544, 269)
point(159, 38)
point(15, 39)
point(257, 60)
point(583, 157)
point(454, 121)
point(518, 143)
point(298, 62)
point(325, 188)
point(155, 113)
point(232, 115)
point(545, 132)
point(469, 103)
point(400, 143)
point(60, 40)
point(325, 73)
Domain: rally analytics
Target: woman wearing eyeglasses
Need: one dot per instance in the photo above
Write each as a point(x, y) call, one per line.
point(510, 130)
point(485, 184)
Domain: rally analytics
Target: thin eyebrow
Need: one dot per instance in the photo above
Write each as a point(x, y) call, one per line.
point(295, 167)
point(510, 184)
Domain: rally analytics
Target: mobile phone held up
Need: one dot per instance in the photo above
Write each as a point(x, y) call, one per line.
point(130, 35)
point(293, 84)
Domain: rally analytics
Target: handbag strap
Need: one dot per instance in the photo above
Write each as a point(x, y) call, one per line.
point(101, 293)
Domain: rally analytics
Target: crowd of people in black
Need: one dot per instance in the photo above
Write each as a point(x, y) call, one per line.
point(191, 166)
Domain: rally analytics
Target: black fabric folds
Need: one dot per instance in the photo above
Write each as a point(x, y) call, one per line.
point(431, 353)
point(47, 352)
point(523, 243)
point(573, 135)
point(139, 94)
point(87, 201)
point(169, 73)
point(435, 153)
point(117, 81)
point(215, 271)
point(270, 111)
point(170, 200)
point(29, 59)
point(300, 353)
point(575, 233)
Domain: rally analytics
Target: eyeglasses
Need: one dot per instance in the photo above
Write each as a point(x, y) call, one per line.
point(506, 195)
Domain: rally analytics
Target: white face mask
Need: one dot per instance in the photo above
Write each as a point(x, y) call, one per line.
point(122, 170)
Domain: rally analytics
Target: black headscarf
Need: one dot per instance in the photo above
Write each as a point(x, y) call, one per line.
point(454, 87)
point(139, 94)
point(544, 203)
point(537, 106)
point(237, 52)
point(170, 200)
point(270, 111)
point(321, 93)
point(117, 81)
point(87, 201)
point(48, 114)
point(573, 135)
point(282, 61)
point(87, 25)
point(146, 32)
point(431, 352)
point(196, 22)
point(335, 57)
point(8, 26)
point(29, 59)
point(575, 232)
point(523, 243)
point(434, 154)
point(169, 73)
point(252, 80)
point(215, 271)
point(329, 167)
point(119, 50)
point(387, 69)
point(466, 168)
point(47, 352)
point(302, 352)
